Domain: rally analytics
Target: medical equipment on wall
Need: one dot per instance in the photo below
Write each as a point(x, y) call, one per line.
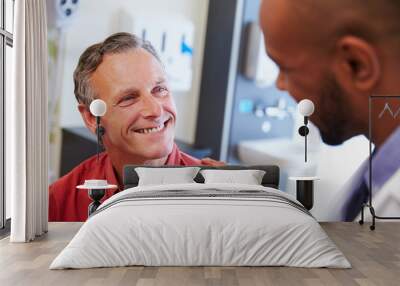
point(61, 12)
point(258, 66)
point(97, 188)
point(60, 15)
point(172, 38)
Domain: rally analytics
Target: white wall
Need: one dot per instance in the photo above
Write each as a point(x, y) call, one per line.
point(97, 19)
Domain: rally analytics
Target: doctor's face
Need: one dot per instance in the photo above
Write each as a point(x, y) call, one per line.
point(141, 113)
point(305, 68)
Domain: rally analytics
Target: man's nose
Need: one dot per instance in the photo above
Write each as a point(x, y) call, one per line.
point(151, 107)
point(281, 82)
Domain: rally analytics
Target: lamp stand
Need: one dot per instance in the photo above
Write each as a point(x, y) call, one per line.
point(96, 195)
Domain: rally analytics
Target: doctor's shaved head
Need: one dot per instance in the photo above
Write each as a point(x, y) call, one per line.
point(336, 53)
point(372, 20)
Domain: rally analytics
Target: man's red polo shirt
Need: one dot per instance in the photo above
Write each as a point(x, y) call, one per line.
point(67, 203)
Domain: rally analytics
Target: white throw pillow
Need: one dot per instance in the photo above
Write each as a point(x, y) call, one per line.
point(248, 177)
point(162, 176)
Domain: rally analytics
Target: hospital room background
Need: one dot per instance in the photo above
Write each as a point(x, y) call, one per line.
point(222, 82)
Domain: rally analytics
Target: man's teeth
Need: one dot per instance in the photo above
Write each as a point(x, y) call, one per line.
point(151, 130)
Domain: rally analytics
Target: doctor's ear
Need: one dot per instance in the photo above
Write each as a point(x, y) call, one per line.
point(88, 118)
point(357, 64)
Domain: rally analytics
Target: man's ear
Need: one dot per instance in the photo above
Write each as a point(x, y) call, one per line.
point(88, 118)
point(356, 65)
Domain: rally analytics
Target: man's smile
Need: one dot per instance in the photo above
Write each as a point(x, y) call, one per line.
point(154, 128)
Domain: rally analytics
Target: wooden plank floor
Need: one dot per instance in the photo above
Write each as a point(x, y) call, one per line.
point(375, 257)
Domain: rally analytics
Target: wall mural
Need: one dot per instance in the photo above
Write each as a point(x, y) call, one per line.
point(184, 95)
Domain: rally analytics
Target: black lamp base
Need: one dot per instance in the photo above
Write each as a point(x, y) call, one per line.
point(96, 195)
point(305, 193)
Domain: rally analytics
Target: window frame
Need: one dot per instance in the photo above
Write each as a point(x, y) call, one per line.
point(6, 39)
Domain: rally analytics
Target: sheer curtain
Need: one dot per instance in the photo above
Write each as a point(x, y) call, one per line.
point(26, 124)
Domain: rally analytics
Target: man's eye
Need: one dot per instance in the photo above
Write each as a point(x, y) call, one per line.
point(160, 90)
point(126, 101)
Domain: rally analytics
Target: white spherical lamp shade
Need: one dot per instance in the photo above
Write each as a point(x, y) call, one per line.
point(306, 107)
point(98, 107)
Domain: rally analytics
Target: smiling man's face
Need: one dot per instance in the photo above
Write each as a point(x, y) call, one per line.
point(141, 113)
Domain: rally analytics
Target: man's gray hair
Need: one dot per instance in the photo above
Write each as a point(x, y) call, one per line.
point(92, 57)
